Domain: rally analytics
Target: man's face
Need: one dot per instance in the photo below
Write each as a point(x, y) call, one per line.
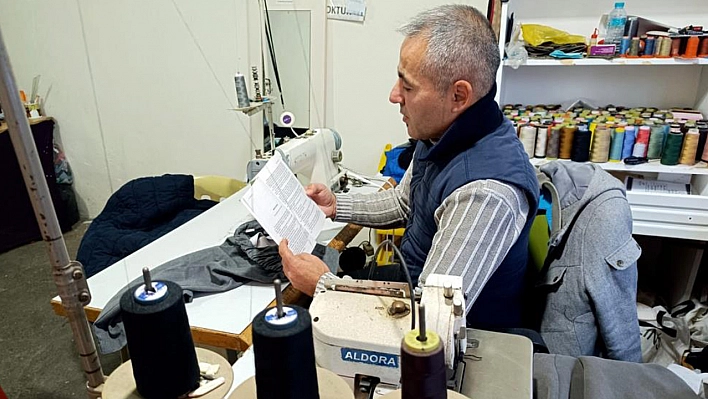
point(425, 111)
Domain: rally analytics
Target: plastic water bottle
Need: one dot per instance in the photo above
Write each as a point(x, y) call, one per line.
point(615, 24)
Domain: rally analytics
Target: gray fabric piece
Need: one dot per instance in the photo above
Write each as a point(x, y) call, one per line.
point(208, 271)
point(591, 286)
point(551, 376)
point(565, 377)
point(610, 379)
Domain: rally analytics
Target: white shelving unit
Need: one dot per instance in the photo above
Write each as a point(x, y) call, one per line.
point(653, 166)
point(613, 62)
point(658, 82)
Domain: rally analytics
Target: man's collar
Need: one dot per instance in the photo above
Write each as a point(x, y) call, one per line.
point(474, 123)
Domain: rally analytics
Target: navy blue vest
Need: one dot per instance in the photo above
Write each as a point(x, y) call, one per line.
point(480, 144)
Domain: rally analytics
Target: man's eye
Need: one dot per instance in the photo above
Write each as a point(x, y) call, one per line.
point(407, 88)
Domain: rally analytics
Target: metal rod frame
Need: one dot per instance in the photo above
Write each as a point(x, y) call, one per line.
point(68, 275)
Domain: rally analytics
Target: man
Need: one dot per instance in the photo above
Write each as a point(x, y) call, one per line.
point(467, 198)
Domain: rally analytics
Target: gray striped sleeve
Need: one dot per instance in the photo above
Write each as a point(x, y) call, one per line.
point(384, 209)
point(477, 225)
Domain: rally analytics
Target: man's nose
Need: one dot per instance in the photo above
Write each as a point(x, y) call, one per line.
point(395, 95)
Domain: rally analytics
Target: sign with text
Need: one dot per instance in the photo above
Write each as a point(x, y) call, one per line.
point(346, 10)
point(369, 357)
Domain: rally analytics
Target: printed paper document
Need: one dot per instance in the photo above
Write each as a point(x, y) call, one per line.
point(278, 201)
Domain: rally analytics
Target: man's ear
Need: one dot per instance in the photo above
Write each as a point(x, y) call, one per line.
point(463, 96)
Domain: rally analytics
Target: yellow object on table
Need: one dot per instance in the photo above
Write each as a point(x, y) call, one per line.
point(386, 256)
point(216, 188)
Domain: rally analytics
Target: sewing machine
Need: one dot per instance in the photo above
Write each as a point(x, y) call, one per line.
point(358, 326)
point(313, 157)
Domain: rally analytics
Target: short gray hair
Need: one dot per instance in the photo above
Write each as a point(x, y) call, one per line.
point(461, 46)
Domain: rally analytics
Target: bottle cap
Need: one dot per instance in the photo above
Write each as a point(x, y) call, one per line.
point(619, 4)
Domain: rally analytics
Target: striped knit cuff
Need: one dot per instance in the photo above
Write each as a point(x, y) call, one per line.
point(321, 284)
point(344, 208)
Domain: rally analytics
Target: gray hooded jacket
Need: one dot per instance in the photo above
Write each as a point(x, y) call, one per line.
point(591, 282)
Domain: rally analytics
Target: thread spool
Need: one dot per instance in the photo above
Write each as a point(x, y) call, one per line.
point(625, 43)
point(634, 47)
point(656, 142)
point(666, 47)
point(581, 145)
point(675, 47)
point(566, 141)
point(541, 141)
point(689, 148)
point(423, 370)
point(642, 142)
point(617, 144)
point(553, 143)
point(649, 45)
point(658, 46)
point(703, 138)
point(672, 150)
point(703, 48)
point(667, 129)
point(692, 47)
point(241, 91)
point(422, 367)
point(600, 149)
point(159, 340)
point(284, 354)
point(629, 138)
point(527, 135)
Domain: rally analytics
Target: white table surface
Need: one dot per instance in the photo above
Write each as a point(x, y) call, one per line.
point(230, 311)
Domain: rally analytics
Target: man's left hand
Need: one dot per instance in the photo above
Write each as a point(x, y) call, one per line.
point(303, 270)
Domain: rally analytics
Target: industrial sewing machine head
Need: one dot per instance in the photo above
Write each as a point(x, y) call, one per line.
point(358, 326)
point(313, 157)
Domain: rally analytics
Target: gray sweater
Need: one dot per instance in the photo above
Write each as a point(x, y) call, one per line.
point(590, 307)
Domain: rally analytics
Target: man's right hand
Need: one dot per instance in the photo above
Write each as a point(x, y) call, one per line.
point(323, 197)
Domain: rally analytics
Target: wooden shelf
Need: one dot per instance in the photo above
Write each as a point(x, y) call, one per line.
point(612, 62)
point(653, 166)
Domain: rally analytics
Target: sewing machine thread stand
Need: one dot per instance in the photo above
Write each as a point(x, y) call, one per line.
point(278, 298)
point(147, 279)
point(421, 324)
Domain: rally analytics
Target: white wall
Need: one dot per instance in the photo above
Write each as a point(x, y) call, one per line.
point(157, 105)
point(362, 59)
point(44, 38)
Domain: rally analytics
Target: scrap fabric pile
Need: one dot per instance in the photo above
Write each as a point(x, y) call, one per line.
point(611, 134)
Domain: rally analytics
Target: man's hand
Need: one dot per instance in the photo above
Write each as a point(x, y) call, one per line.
point(323, 197)
point(303, 270)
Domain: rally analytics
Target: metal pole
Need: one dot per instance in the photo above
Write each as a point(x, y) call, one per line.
point(271, 131)
point(68, 276)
